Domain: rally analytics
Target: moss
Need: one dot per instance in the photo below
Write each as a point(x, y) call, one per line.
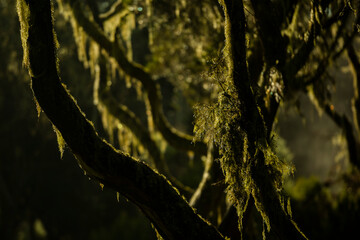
point(60, 140)
point(249, 163)
point(24, 15)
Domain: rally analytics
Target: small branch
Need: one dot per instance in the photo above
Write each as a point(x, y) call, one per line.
point(355, 66)
point(303, 53)
point(117, 7)
point(209, 195)
point(342, 122)
point(332, 54)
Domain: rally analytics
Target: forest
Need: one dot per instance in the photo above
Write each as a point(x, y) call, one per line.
point(203, 119)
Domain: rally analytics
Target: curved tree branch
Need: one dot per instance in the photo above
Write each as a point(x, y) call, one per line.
point(208, 197)
point(237, 65)
point(303, 53)
point(127, 117)
point(174, 137)
point(102, 94)
point(151, 192)
point(343, 122)
point(117, 7)
point(332, 52)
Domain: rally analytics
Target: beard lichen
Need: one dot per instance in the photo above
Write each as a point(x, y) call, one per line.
point(244, 159)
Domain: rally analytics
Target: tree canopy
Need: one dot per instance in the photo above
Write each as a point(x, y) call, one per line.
point(232, 65)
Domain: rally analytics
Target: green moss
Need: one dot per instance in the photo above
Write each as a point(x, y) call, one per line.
point(60, 140)
point(24, 15)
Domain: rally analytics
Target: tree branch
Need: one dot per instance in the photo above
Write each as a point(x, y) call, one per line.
point(103, 95)
point(117, 7)
point(208, 197)
point(303, 53)
point(151, 192)
point(177, 139)
point(237, 65)
point(342, 122)
point(331, 53)
point(248, 142)
point(355, 65)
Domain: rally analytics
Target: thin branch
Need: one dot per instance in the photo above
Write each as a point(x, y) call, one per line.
point(332, 54)
point(209, 195)
point(355, 65)
point(303, 53)
point(343, 122)
point(117, 7)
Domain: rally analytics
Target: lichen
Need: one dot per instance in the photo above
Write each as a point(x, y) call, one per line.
point(60, 140)
point(24, 15)
point(221, 122)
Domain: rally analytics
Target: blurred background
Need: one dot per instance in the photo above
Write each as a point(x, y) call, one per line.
point(45, 197)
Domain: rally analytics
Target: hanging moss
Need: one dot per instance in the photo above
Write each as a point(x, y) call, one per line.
point(249, 163)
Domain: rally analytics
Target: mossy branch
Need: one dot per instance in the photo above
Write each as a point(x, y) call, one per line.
point(343, 122)
point(235, 52)
point(209, 197)
point(301, 56)
point(102, 95)
point(355, 67)
point(174, 137)
point(250, 167)
point(333, 53)
point(151, 192)
point(116, 7)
